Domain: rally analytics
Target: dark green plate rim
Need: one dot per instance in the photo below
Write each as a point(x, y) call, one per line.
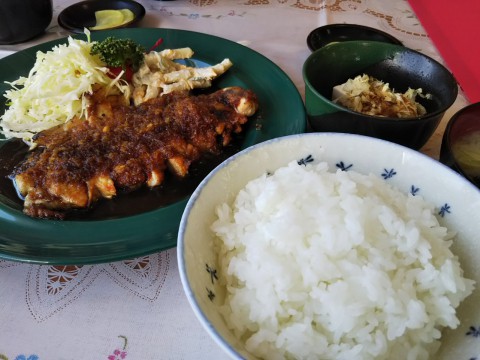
point(86, 242)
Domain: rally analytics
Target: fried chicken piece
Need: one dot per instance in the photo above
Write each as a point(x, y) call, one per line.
point(125, 147)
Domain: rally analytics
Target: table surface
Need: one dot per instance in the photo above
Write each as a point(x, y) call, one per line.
point(136, 309)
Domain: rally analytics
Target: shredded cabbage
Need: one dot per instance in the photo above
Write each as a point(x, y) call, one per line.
point(54, 91)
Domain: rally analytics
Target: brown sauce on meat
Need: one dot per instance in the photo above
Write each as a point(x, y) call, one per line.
point(172, 190)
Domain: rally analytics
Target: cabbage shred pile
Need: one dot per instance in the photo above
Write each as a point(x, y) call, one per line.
point(55, 90)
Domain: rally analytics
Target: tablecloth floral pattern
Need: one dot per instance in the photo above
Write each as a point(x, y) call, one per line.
point(49, 289)
point(135, 309)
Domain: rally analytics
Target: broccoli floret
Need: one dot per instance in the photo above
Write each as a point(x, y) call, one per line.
point(119, 52)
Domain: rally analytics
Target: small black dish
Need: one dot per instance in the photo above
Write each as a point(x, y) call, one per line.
point(332, 33)
point(81, 15)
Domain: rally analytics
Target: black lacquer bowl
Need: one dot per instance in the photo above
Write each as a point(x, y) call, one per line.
point(461, 143)
point(334, 33)
point(400, 67)
point(23, 20)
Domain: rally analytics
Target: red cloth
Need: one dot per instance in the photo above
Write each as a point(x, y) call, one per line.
point(454, 27)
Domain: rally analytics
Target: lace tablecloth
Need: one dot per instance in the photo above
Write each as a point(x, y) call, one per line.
point(136, 309)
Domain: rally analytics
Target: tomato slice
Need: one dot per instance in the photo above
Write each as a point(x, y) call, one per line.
point(116, 70)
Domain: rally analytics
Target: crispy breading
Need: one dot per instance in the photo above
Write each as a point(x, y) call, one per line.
point(125, 147)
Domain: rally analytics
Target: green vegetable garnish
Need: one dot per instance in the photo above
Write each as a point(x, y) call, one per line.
point(54, 92)
point(122, 53)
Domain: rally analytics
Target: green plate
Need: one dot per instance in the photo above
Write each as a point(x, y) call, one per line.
point(85, 242)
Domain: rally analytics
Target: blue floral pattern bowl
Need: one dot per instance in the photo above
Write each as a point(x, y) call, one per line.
point(457, 204)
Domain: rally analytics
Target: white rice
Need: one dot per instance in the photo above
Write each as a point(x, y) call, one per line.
point(323, 265)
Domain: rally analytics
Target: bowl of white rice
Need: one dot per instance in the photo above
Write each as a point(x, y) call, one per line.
point(334, 246)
